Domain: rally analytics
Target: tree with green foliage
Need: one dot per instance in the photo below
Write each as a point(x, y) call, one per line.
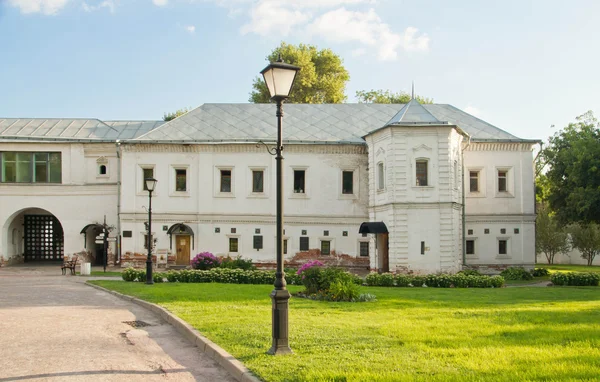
point(322, 77)
point(586, 238)
point(177, 113)
point(387, 96)
point(573, 157)
point(550, 237)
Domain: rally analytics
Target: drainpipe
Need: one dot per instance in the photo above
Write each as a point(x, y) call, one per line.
point(464, 218)
point(118, 254)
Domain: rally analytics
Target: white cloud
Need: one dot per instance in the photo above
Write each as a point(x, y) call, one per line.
point(342, 25)
point(105, 4)
point(47, 7)
point(274, 17)
point(190, 29)
point(473, 111)
point(358, 52)
point(160, 3)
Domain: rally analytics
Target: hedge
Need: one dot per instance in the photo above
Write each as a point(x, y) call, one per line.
point(575, 279)
point(215, 275)
point(458, 280)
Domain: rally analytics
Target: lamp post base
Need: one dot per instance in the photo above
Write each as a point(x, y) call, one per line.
point(149, 278)
point(280, 299)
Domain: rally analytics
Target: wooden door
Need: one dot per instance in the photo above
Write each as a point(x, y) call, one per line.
point(183, 249)
point(384, 253)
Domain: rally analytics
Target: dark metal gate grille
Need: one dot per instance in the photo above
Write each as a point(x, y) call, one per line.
point(44, 239)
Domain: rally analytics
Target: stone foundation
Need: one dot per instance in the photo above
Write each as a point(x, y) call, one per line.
point(495, 269)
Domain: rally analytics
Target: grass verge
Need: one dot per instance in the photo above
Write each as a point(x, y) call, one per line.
point(409, 334)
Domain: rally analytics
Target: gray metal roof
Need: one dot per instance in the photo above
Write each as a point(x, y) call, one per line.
point(324, 123)
point(70, 129)
point(413, 114)
point(133, 129)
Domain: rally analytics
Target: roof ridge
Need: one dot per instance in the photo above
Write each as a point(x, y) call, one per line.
point(167, 123)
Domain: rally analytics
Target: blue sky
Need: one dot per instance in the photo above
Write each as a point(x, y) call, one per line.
point(520, 65)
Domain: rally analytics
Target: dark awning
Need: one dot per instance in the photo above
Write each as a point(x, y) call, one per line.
point(180, 229)
point(373, 227)
point(95, 225)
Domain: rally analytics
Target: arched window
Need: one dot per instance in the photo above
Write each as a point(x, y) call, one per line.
point(102, 169)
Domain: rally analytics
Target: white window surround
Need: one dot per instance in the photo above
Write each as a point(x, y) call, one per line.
point(331, 241)
point(481, 182)
point(429, 173)
point(289, 243)
point(102, 161)
point(300, 195)
point(217, 182)
point(363, 240)
point(474, 255)
point(355, 183)
point(140, 180)
point(380, 177)
point(173, 180)
point(266, 183)
point(508, 254)
point(510, 183)
point(239, 239)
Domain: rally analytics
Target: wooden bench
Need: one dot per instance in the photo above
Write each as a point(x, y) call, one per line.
point(69, 264)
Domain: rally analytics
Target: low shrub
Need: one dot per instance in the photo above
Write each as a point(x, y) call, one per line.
point(205, 261)
point(343, 289)
point(470, 272)
point(141, 275)
point(539, 272)
point(158, 277)
point(516, 273)
point(459, 280)
point(129, 274)
point(575, 279)
point(237, 263)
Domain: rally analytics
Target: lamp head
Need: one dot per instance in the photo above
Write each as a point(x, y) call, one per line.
point(279, 78)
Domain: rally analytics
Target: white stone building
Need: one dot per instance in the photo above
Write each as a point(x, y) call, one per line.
point(437, 188)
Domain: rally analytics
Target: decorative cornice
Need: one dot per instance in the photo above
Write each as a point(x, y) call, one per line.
point(246, 148)
point(500, 146)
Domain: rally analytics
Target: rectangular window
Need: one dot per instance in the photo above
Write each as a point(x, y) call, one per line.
point(422, 248)
point(258, 242)
point(364, 249)
point(285, 246)
point(347, 182)
point(233, 244)
point(325, 247)
point(225, 181)
point(304, 243)
point(474, 181)
point(258, 177)
point(502, 181)
point(299, 181)
point(502, 247)
point(23, 167)
point(147, 173)
point(421, 173)
point(180, 180)
point(470, 247)
point(380, 176)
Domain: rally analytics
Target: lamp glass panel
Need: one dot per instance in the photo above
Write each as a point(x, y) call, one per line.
point(283, 80)
point(150, 184)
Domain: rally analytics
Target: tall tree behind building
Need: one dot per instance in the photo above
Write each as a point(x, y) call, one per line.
point(322, 77)
point(573, 176)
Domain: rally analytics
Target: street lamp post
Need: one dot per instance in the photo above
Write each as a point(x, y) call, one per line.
point(279, 78)
point(150, 185)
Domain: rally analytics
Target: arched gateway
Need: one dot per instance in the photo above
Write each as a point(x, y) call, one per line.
point(34, 235)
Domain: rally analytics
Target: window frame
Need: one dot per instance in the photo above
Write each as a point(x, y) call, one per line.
point(509, 179)
point(380, 168)
point(300, 195)
point(238, 242)
point(477, 181)
point(424, 161)
point(173, 180)
point(307, 238)
point(472, 241)
point(142, 184)
point(368, 245)
point(329, 242)
point(218, 182)
point(32, 166)
point(508, 253)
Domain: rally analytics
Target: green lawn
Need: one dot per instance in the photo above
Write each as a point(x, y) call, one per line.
point(102, 273)
point(569, 268)
point(409, 334)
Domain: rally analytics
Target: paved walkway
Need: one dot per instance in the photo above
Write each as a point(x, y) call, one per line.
point(55, 328)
